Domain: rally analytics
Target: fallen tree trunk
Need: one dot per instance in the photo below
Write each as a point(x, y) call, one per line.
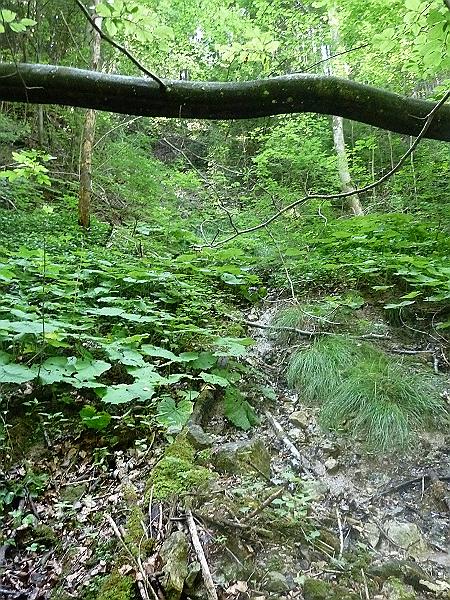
point(299, 93)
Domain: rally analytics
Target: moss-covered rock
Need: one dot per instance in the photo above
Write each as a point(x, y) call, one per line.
point(238, 457)
point(174, 553)
point(176, 473)
point(395, 589)
point(116, 587)
point(316, 589)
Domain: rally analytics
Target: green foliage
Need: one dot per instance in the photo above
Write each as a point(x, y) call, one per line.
point(396, 252)
point(29, 166)
point(10, 20)
point(30, 485)
point(357, 384)
point(238, 410)
point(94, 419)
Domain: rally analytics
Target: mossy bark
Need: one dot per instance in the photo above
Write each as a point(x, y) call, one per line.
point(298, 93)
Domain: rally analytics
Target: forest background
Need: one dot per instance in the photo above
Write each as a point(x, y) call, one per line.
point(125, 267)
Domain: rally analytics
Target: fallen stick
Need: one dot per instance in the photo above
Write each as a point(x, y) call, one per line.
point(263, 505)
point(305, 465)
point(207, 578)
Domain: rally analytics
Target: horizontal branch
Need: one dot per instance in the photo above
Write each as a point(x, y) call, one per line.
point(298, 93)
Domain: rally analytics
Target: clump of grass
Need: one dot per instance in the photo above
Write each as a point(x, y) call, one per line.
point(359, 385)
point(317, 371)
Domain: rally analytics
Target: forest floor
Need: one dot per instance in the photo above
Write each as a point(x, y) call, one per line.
point(292, 511)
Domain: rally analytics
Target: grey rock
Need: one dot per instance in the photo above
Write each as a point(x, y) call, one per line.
point(197, 437)
point(409, 537)
point(238, 457)
point(331, 465)
point(371, 533)
point(276, 582)
point(299, 419)
point(174, 554)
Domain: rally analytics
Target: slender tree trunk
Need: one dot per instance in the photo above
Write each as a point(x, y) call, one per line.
point(353, 201)
point(88, 138)
point(40, 118)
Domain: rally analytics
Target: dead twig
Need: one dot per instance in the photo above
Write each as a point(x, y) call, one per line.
point(341, 534)
point(207, 578)
point(366, 587)
point(302, 461)
point(276, 494)
point(145, 586)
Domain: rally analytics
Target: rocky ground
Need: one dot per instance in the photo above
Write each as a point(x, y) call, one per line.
point(281, 511)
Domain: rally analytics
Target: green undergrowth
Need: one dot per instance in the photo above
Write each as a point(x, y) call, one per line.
point(363, 390)
point(401, 261)
point(102, 322)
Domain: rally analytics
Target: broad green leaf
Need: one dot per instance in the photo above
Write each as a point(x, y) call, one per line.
point(14, 373)
point(122, 393)
point(106, 311)
point(28, 22)
point(399, 304)
point(5, 358)
point(214, 379)
point(149, 350)
point(55, 369)
point(238, 410)
point(205, 360)
point(7, 16)
point(90, 369)
point(17, 26)
point(173, 415)
point(146, 374)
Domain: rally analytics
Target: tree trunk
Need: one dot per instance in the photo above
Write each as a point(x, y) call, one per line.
point(353, 201)
point(88, 138)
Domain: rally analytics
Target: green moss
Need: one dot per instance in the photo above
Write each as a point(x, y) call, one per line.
point(135, 538)
point(176, 473)
point(397, 590)
point(316, 589)
point(182, 449)
point(116, 587)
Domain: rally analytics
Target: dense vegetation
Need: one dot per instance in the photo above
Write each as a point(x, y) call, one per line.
point(111, 332)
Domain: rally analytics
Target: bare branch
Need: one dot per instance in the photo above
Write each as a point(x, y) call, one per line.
point(118, 46)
